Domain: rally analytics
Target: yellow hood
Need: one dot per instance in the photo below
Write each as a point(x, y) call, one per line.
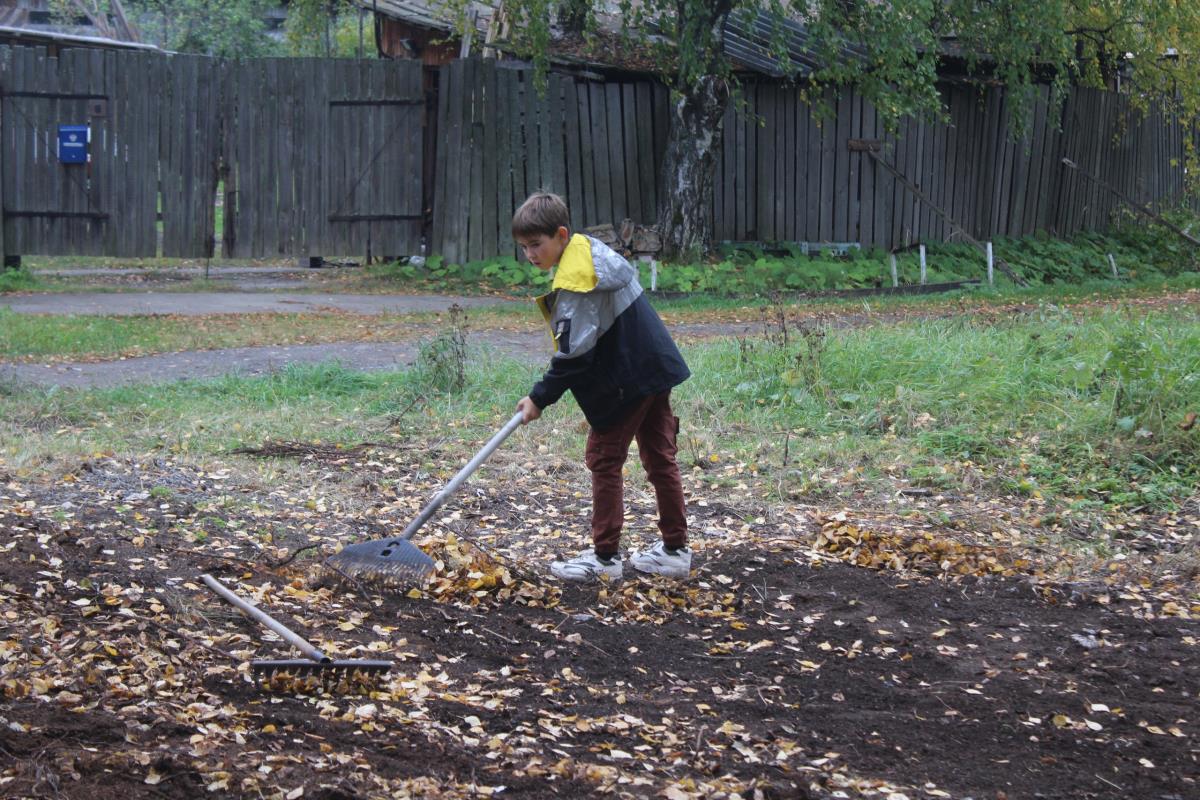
point(576, 270)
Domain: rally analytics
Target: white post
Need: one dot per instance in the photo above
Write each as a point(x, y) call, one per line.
point(653, 275)
point(922, 265)
point(991, 266)
point(1112, 262)
point(895, 276)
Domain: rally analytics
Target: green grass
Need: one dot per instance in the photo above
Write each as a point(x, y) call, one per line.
point(1085, 409)
point(25, 336)
point(326, 402)
point(1083, 412)
point(30, 336)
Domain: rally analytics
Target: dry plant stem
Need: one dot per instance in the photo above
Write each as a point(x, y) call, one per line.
point(291, 556)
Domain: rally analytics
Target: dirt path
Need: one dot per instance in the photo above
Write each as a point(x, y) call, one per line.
point(247, 361)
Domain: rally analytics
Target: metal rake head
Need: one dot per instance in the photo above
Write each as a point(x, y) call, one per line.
point(325, 673)
point(395, 561)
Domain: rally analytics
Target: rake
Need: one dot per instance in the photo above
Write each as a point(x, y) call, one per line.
point(397, 561)
point(315, 665)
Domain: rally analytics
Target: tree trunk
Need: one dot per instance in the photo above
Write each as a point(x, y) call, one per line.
point(686, 184)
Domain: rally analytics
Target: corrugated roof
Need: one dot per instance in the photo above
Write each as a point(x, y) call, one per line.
point(67, 39)
point(748, 38)
point(419, 12)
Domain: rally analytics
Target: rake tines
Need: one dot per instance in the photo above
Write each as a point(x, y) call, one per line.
point(317, 668)
point(292, 673)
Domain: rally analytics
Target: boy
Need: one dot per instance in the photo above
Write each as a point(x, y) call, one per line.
point(615, 355)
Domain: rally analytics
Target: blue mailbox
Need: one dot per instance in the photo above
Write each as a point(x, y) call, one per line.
point(73, 143)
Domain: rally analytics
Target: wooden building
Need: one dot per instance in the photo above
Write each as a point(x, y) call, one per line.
point(416, 29)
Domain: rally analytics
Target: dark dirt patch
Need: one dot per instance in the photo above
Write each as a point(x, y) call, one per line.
point(768, 670)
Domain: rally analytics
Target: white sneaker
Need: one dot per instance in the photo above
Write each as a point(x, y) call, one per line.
point(585, 567)
point(657, 561)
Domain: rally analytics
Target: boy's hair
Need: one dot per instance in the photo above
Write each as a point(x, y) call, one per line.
point(542, 212)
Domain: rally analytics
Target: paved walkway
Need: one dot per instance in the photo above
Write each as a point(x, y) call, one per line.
point(190, 272)
point(197, 303)
point(250, 361)
point(531, 348)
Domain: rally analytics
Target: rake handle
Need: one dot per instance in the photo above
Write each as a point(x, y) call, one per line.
point(264, 619)
point(462, 475)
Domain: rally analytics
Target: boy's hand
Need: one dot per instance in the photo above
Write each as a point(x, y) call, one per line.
point(529, 409)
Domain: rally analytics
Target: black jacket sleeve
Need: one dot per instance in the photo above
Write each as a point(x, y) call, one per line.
point(563, 374)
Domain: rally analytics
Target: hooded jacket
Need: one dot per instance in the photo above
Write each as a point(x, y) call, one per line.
point(611, 349)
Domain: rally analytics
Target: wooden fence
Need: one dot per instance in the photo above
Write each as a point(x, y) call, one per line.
point(598, 144)
point(317, 156)
point(326, 157)
point(786, 173)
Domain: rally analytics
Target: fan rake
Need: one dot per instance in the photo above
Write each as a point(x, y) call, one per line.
point(396, 561)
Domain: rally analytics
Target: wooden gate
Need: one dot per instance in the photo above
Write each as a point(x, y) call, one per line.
point(323, 157)
point(318, 156)
point(106, 206)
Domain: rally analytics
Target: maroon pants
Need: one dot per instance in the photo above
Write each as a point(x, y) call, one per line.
point(655, 428)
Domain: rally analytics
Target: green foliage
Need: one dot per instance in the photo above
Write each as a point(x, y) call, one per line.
point(1140, 251)
point(743, 274)
point(16, 280)
point(223, 28)
point(324, 28)
point(1088, 409)
point(1147, 377)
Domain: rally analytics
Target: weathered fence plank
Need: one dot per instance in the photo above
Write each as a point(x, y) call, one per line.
point(647, 165)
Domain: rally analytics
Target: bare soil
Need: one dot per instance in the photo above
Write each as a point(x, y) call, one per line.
point(775, 671)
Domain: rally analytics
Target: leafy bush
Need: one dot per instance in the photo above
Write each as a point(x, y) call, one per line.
point(16, 280)
point(745, 269)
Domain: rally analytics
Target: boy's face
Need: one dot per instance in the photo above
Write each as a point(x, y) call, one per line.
point(544, 251)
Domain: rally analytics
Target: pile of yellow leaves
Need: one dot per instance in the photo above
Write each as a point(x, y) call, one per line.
point(648, 600)
point(923, 552)
point(464, 572)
